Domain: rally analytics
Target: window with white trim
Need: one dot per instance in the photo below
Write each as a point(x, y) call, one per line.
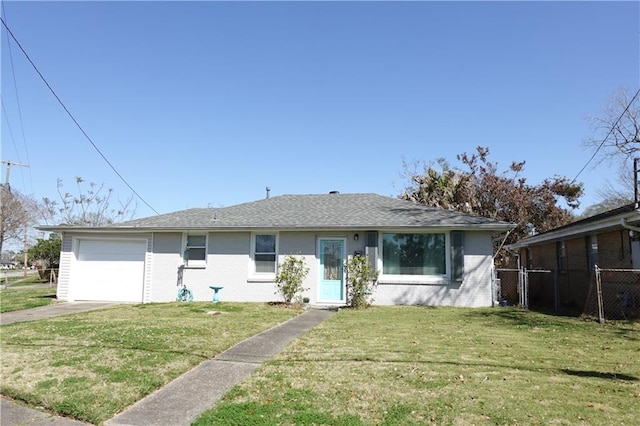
point(414, 254)
point(264, 253)
point(195, 253)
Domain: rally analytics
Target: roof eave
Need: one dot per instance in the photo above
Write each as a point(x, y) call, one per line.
point(576, 231)
point(231, 228)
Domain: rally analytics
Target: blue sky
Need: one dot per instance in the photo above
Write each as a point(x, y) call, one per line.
point(207, 103)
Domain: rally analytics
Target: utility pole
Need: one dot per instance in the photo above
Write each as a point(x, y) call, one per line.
point(635, 181)
point(6, 189)
point(9, 164)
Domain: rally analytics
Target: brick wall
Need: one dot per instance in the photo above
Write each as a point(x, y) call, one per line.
point(571, 285)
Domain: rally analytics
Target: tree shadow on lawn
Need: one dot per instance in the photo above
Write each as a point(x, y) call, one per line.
point(535, 369)
point(103, 346)
point(599, 375)
point(520, 317)
point(627, 329)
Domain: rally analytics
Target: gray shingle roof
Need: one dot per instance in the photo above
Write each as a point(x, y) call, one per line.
point(318, 211)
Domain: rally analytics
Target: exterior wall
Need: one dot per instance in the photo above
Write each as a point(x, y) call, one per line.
point(230, 260)
point(66, 256)
point(614, 250)
point(474, 291)
point(571, 286)
point(229, 265)
point(164, 267)
point(304, 245)
point(148, 271)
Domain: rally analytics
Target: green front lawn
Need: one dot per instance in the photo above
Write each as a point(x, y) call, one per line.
point(445, 366)
point(93, 365)
point(14, 299)
point(385, 365)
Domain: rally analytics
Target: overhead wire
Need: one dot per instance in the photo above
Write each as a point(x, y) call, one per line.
point(15, 86)
point(607, 136)
point(6, 119)
point(73, 118)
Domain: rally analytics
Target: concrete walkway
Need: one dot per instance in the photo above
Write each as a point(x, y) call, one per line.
point(185, 398)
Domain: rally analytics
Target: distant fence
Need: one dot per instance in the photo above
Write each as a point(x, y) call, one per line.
point(515, 287)
point(49, 274)
point(614, 295)
point(604, 294)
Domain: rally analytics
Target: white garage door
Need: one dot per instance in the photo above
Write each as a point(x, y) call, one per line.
point(108, 271)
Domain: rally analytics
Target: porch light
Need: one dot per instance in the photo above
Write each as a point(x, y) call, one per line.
point(355, 237)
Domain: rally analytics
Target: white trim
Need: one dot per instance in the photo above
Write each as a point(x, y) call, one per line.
point(262, 277)
point(190, 263)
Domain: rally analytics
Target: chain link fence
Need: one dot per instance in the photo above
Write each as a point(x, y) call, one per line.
point(603, 294)
point(614, 294)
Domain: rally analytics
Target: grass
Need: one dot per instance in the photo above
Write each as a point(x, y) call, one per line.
point(444, 366)
point(13, 299)
point(91, 366)
point(20, 280)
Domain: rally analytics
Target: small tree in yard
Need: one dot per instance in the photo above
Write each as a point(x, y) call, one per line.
point(46, 254)
point(291, 274)
point(361, 281)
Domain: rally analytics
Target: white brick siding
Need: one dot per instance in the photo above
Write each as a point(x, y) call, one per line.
point(474, 291)
point(229, 264)
point(66, 256)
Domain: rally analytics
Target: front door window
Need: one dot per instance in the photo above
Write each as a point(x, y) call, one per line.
point(331, 270)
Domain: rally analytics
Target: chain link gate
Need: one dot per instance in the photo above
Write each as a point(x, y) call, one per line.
point(515, 287)
point(614, 294)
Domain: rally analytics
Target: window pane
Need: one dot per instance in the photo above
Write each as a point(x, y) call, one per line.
point(265, 243)
point(265, 263)
point(196, 240)
point(197, 254)
point(413, 254)
point(332, 260)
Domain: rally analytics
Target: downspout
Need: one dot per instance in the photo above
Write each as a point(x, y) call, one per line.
point(504, 240)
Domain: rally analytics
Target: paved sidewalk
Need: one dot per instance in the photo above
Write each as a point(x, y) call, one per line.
point(185, 398)
point(13, 414)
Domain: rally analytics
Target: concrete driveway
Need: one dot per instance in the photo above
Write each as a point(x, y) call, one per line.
point(57, 309)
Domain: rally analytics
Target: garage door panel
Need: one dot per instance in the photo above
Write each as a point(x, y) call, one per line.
point(109, 270)
point(105, 251)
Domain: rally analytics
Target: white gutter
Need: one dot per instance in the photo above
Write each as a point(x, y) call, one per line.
point(578, 229)
point(626, 225)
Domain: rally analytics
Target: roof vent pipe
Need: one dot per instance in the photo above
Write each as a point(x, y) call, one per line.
point(268, 191)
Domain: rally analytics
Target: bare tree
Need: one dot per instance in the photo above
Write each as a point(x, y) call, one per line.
point(15, 215)
point(616, 131)
point(616, 141)
point(91, 205)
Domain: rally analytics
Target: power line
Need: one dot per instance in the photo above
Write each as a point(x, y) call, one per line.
point(606, 137)
point(73, 118)
point(15, 87)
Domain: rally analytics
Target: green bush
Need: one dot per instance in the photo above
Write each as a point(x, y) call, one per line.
point(361, 282)
point(291, 274)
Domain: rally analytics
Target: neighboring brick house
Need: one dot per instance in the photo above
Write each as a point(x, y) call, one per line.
point(610, 240)
point(424, 255)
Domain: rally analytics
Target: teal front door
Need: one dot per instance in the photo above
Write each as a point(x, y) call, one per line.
point(332, 287)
